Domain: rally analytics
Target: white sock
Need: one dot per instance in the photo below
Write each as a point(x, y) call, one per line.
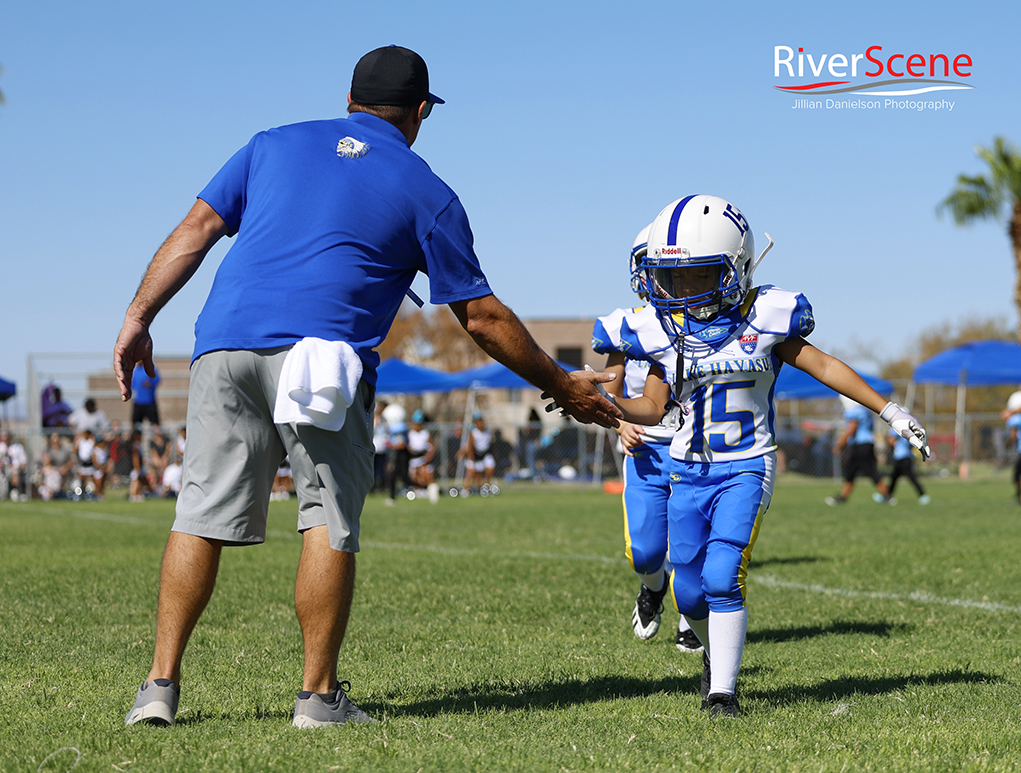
point(726, 632)
point(653, 581)
point(701, 629)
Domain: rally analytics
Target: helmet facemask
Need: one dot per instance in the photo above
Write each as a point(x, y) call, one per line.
point(700, 288)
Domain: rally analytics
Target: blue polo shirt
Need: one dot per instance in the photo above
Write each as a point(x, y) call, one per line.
point(331, 222)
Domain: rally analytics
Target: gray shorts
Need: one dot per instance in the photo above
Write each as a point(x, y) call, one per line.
point(234, 450)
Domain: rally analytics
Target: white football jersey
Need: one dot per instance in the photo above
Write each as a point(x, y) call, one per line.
point(618, 331)
point(729, 371)
point(418, 441)
point(481, 440)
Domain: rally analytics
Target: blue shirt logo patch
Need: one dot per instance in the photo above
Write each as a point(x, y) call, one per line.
point(749, 342)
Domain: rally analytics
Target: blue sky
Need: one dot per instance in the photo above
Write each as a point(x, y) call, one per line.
point(568, 126)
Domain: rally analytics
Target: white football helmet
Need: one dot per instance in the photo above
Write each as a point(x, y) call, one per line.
point(638, 250)
point(699, 257)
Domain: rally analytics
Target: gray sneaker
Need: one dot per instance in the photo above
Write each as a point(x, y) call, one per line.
point(334, 708)
point(155, 704)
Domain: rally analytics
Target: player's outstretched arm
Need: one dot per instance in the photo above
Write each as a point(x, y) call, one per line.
point(840, 377)
point(498, 332)
point(652, 405)
point(173, 265)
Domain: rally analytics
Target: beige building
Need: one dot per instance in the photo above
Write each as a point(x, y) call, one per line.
point(566, 340)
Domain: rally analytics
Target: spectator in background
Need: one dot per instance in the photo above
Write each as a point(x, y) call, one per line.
point(421, 452)
point(84, 445)
point(143, 387)
point(170, 485)
point(530, 438)
point(120, 453)
point(139, 481)
point(180, 442)
point(283, 481)
point(55, 410)
point(51, 485)
point(380, 436)
point(100, 464)
point(15, 460)
point(479, 463)
point(89, 417)
point(159, 457)
point(398, 457)
point(60, 455)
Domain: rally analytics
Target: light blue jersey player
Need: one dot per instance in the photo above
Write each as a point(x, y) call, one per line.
point(903, 466)
point(646, 463)
point(726, 342)
point(856, 446)
point(1014, 426)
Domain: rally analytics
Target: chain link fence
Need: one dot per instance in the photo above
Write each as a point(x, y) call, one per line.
point(550, 451)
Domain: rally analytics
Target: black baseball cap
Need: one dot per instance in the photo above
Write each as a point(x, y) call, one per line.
point(391, 75)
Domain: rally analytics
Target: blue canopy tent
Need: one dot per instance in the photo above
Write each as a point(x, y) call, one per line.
point(794, 384)
point(492, 376)
point(395, 376)
point(979, 363)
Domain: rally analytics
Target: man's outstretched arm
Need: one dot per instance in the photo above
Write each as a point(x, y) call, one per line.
point(500, 334)
point(170, 269)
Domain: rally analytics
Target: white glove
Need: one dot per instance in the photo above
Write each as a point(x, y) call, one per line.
point(906, 426)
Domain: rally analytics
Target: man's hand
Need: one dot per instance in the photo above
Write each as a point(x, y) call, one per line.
point(581, 397)
point(134, 345)
point(907, 427)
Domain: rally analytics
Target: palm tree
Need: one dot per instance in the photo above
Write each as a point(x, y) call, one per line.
point(982, 197)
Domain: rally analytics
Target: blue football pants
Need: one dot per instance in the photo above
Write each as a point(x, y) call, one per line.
point(714, 513)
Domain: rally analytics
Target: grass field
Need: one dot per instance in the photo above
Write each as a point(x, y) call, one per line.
point(495, 635)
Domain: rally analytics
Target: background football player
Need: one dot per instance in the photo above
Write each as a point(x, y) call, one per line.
point(646, 461)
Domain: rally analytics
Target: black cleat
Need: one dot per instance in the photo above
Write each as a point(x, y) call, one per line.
point(646, 615)
point(720, 704)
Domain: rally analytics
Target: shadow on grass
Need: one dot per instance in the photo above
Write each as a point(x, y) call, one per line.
point(755, 563)
point(848, 687)
point(559, 694)
point(837, 627)
point(544, 695)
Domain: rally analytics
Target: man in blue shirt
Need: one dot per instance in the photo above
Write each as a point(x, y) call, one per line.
point(332, 220)
point(143, 387)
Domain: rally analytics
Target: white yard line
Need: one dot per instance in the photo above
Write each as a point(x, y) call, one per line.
point(770, 581)
point(918, 597)
point(89, 514)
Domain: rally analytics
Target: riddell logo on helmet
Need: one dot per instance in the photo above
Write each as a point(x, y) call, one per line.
point(674, 251)
point(879, 72)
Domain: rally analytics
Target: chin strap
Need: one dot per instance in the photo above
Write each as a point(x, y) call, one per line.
point(675, 410)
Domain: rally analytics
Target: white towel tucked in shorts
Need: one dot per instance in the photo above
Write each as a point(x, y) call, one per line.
point(318, 382)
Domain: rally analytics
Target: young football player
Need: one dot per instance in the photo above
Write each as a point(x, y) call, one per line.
point(857, 449)
point(724, 340)
point(1014, 425)
point(904, 466)
point(646, 465)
